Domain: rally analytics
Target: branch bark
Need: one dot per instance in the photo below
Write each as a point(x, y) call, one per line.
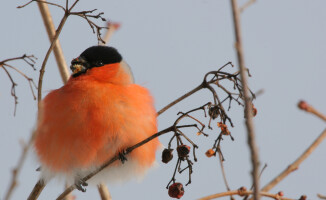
point(104, 192)
point(115, 158)
point(294, 166)
point(17, 169)
point(57, 50)
point(310, 109)
point(48, 22)
point(36, 190)
point(242, 193)
point(248, 104)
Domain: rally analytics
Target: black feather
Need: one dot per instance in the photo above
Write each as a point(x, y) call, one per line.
point(97, 56)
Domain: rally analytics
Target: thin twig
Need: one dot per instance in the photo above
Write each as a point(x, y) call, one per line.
point(17, 169)
point(199, 87)
point(115, 158)
point(247, 4)
point(310, 109)
point(294, 166)
point(36, 190)
point(242, 192)
point(220, 156)
point(63, 71)
point(252, 186)
point(104, 192)
point(321, 196)
point(111, 28)
point(30, 60)
point(57, 50)
point(54, 43)
point(13, 87)
point(40, 82)
point(248, 104)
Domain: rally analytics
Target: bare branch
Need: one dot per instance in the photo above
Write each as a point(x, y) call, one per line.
point(57, 50)
point(115, 158)
point(221, 159)
point(13, 88)
point(310, 109)
point(295, 165)
point(247, 4)
point(54, 42)
point(104, 192)
point(42, 2)
point(248, 104)
point(86, 15)
point(243, 192)
point(36, 190)
point(29, 60)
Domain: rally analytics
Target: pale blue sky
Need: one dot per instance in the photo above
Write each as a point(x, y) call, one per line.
point(170, 45)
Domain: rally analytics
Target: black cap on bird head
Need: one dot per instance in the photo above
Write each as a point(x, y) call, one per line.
point(95, 56)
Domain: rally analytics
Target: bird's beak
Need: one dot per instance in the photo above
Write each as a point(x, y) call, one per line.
point(78, 66)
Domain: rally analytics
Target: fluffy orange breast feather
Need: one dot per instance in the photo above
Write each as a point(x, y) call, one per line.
point(94, 117)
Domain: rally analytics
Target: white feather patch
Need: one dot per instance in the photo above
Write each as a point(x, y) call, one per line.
point(131, 169)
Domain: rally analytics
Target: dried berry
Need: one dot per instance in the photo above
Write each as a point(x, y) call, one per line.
point(303, 197)
point(210, 152)
point(176, 190)
point(213, 112)
point(183, 151)
point(254, 110)
point(224, 128)
point(167, 155)
point(280, 193)
point(242, 191)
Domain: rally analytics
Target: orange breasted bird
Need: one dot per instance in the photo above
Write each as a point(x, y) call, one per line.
point(97, 114)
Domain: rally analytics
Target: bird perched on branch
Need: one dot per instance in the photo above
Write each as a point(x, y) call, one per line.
point(95, 116)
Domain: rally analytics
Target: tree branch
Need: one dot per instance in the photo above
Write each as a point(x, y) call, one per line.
point(248, 104)
point(310, 109)
point(55, 46)
point(243, 192)
point(57, 50)
point(247, 4)
point(295, 165)
point(115, 158)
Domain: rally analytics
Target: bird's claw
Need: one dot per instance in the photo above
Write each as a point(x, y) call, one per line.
point(80, 185)
point(122, 156)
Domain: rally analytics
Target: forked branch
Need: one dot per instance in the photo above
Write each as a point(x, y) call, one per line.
point(29, 60)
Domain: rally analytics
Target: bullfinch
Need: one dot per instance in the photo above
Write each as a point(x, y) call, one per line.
point(97, 114)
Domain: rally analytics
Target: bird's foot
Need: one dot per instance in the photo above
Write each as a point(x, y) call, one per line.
point(122, 156)
point(80, 185)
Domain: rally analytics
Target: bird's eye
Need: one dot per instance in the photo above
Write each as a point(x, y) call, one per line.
point(98, 64)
